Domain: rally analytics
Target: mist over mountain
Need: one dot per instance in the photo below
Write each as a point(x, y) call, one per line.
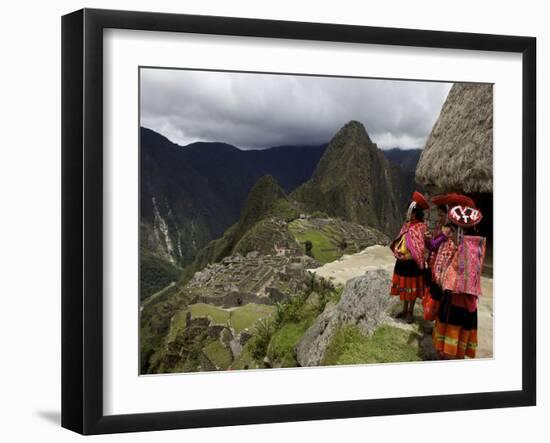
point(407, 159)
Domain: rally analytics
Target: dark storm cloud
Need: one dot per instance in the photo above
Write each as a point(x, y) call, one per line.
point(259, 110)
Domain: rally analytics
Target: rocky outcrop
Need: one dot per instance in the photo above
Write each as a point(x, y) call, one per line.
point(458, 156)
point(311, 348)
point(364, 303)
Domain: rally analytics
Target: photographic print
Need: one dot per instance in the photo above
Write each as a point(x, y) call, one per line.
point(297, 220)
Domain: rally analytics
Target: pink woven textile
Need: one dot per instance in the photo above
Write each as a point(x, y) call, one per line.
point(442, 260)
point(414, 237)
point(463, 275)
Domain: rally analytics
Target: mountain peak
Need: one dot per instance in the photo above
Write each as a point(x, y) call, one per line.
point(268, 184)
point(353, 130)
point(350, 148)
point(266, 198)
point(355, 181)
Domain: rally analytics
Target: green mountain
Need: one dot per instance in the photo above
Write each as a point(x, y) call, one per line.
point(192, 194)
point(355, 181)
point(260, 259)
point(266, 201)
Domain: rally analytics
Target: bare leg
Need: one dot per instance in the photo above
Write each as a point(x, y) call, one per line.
point(410, 311)
point(403, 312)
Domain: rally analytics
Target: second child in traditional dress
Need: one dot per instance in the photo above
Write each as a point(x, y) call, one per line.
point(441, 249)
point(455, 331)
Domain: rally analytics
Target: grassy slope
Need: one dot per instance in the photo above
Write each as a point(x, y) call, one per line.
point(155, 324)
point(217, 315)
point(387, 344)
point(218, 354)
point(283, 343)
point(245, 316)
point(323, 249)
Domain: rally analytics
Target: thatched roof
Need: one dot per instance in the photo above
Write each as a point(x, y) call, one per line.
point(459, 152)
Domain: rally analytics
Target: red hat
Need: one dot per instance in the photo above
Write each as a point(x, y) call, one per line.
point(453, 199)
point(464, 216)
point(420, 200)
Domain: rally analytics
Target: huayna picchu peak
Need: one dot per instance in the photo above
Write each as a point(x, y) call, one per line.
point(355, 181)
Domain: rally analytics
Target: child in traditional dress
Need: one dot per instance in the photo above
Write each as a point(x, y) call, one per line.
point(408, 248)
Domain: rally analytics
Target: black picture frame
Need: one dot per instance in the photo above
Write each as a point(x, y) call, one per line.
point(82, 218)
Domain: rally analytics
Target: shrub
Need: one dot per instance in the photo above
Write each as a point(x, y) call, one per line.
point(291, 310)
point(258, 344)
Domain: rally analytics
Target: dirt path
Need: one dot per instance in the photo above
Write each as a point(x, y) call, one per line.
point(375, 257)
point(149, 299)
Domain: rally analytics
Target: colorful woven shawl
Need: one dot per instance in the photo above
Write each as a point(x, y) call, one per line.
point(442, 260)
point(464, 273)
point(414, 237)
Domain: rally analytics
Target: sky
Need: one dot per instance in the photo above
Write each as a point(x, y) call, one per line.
point(256, 111)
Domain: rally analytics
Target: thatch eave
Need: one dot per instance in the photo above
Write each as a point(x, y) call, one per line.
point(458, 156)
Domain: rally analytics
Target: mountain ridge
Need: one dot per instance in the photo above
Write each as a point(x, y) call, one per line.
point(191, 195)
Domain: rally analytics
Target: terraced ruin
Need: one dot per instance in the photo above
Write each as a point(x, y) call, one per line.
point(204, 324)
point(221, 304)
point(331, 238)
point(262, 279)
point(221, 332)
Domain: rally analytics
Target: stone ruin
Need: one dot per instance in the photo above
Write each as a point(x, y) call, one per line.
point(254, 278)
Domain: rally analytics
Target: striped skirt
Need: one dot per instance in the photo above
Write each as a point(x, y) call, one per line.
point(455, 331)
point(408, 280)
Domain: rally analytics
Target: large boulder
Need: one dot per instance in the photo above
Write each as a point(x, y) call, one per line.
point(311, 348)
point(364, 302)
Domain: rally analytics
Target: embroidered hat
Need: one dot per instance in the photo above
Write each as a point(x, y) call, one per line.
point(420, 200)
point(464, 216)
point(453, 199)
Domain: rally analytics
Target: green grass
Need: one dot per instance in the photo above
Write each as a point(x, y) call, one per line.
point(245, 316)
point(282, 345)
point(218, 354)
point(323, 250)
point(246, 360)
point(218, 316)
point(387, 344)
point(177, 325)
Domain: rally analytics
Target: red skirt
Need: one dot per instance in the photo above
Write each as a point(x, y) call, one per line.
point(407, 281)
point(430, 305)
point(454, 341)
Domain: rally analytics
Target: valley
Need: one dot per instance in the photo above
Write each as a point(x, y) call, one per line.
point(249, 297)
